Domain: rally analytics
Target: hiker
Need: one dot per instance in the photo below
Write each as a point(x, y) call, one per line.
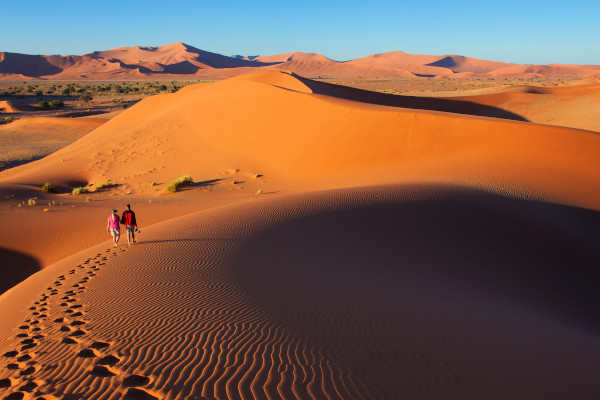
point(128, 219)
point(113, 226)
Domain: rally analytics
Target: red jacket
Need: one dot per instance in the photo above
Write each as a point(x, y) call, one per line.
point(128, 218)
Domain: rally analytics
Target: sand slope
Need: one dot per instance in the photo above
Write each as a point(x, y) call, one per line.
point(395, 253)
point(576, 106)
point(182, 61)
point(257, 123)
point(369, 293)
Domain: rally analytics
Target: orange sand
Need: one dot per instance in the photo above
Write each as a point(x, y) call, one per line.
point(182, 61)
point(394, 253)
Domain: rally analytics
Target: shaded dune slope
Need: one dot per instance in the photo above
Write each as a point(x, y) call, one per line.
point(365, 293)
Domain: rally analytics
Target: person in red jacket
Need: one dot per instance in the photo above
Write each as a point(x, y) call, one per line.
point(128, 219)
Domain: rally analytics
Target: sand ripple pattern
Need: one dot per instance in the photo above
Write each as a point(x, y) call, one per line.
point(368, 293)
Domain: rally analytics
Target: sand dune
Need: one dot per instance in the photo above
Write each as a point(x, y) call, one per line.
point(182, 61)
point(576, 106)
point(259, 126)
point(395, 252)
point(334, 295)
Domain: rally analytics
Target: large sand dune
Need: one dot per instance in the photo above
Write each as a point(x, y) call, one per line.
point(397, 253)
point(405, 291)
point(182, 61)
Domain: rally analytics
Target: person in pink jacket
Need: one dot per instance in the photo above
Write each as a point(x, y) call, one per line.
point(113, 226)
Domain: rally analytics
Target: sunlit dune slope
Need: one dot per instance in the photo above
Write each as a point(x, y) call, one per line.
point(576, 106)
point(305, 140)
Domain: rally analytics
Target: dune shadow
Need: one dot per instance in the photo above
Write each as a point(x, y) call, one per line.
point(412, 102)
point(427, 285)
point(16, 267)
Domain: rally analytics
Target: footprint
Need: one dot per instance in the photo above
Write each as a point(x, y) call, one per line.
point(15, 396)
point(108, 360)
point(77, 323)
point(4, 383)
point(28, 346)
point(65, 328)
point(102, 371)
point(78, 333)
point(99, 345)
point(69, 340)
point(61, 319)
point(71, 300)
point(77, 314)
point(12, 353)
point(27, 341)
point(37, 337)
point(138, 394)
point(13, 366)
point(29, 386)
point(136, 380)
point(32, 308)
point(20, 335)
point(76, 306)
point(28, 371)
point(24, 357)
point(36, 329)
point(87, 353)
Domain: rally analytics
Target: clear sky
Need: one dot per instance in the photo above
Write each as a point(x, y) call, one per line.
point(530, 32)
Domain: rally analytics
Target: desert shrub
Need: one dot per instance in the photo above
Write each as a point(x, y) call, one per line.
point(10, 119)
point(182, 180)
point(103, 185)
point(79, 190)
point(31, 202)
point(259, 191)
point(43, 104)
point(88, 199)
point(86, 97)
point(56, 104)
point(123, 106)
point(48, 187)
point(66, 91)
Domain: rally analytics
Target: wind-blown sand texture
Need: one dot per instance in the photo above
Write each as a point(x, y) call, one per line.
point(182, 61)
point(409, 253)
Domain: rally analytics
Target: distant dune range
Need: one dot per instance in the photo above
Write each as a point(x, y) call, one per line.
point(396, 251)
point(181, 61)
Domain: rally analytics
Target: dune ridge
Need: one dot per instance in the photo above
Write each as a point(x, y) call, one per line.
point(182, 61)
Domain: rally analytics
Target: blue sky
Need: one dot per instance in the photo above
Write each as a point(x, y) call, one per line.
point(531, 32)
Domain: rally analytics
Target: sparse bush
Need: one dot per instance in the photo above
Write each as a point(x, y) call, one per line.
point(152, 183)
point(86, 97)
point(123, 106)
point(88, 199)
point(259, 191)
point(10, 119)
point(185, 179)
point(31, 202)
point(79, 190)
point(56, 104)
point(48, 187)
point(43, 104)
point(103, 185)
